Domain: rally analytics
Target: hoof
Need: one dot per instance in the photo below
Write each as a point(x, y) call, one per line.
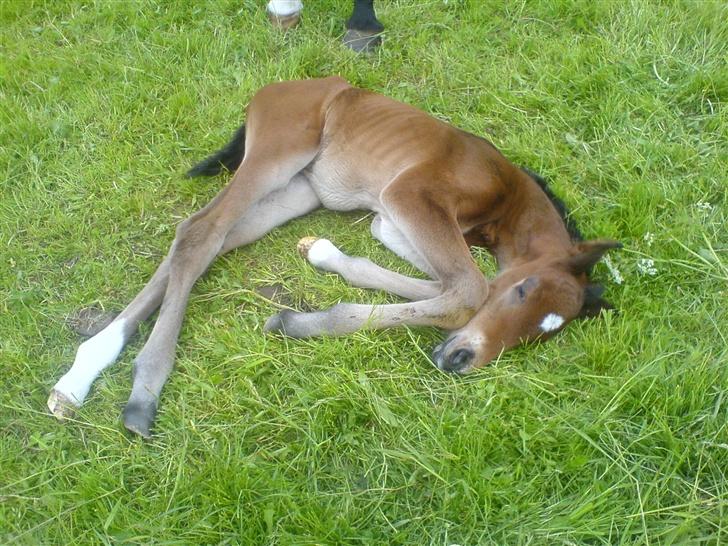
point(362, 41)
point(61, 406)
point(90, 321)
point(274, 323)
point(320, 253)
point(305, 244)
point(284, 22)
point(284, 323)
point(139, 418)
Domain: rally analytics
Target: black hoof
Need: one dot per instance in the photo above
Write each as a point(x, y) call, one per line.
point(276, 323)
point(362, 41)
point(139, 418)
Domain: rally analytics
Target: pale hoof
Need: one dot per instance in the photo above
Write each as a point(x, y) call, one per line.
point(305, 244)
point(61, 406)
point(320, 253)
point(284, 22)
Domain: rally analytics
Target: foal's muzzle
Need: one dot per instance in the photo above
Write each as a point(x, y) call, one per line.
point(457, 360)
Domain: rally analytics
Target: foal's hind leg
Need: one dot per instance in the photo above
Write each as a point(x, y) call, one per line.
point(285, 122)
point(100, 351)
point(229, 221)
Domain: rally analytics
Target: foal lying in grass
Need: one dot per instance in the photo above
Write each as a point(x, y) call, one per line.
point(435, 191)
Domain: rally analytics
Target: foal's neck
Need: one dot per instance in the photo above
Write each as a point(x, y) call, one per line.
point(533, 229)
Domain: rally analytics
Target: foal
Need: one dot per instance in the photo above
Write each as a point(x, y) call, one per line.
point(435, 190)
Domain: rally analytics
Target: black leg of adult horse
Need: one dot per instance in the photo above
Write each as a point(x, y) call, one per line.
point(363, 29)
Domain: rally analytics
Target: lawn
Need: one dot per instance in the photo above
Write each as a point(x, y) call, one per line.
point(615, 432)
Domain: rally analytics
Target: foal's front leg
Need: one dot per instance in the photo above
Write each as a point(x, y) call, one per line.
point(363, 273)
point(433, 232)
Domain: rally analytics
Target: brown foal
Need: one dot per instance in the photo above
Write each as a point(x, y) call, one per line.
point(435, 191)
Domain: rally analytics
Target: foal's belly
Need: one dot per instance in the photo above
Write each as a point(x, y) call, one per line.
point(339, 187)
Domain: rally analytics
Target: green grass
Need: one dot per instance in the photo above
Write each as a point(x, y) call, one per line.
point(616, 432)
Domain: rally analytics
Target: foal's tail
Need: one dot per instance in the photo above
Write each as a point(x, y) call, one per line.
point(228, 158)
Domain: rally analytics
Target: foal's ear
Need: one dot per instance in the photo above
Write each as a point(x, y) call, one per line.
point(589, 253)
point(593, 302)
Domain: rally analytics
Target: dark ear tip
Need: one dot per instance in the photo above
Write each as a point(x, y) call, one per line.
point(597, 312)
point(594, 304)
point(606, 306)
point(609, 244)
point(593, 291)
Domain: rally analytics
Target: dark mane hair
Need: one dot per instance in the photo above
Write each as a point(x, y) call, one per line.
point(560, 206)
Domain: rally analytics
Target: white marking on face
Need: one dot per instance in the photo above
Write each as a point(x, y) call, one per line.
point(322, 252)
point(551, 322)
point(92, 357)
point(284, 7)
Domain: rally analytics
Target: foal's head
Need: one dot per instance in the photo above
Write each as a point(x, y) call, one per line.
point(532, 298)
point(532, 301)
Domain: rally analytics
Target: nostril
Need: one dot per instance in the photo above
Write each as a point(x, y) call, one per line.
point(458, 360)
point(461, 357)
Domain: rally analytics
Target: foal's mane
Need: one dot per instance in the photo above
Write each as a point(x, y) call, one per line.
point(593, 302)
point(558, 204)
point(556, 201)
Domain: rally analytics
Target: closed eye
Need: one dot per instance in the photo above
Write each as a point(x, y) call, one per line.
point(523, 289)
point(521, 293)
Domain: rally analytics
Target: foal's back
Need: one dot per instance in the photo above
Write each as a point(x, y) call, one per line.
point(368, 140)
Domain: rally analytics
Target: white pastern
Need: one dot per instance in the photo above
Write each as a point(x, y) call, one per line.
point(92, 357)
point(551, 322)
point(323, 253)
point(285, 7)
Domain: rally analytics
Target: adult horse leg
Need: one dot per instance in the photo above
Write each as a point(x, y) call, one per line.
point(284, 14)
point(363, 29)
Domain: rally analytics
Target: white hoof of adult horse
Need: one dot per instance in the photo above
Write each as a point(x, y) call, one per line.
point(61, 406)
point(284, 14)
